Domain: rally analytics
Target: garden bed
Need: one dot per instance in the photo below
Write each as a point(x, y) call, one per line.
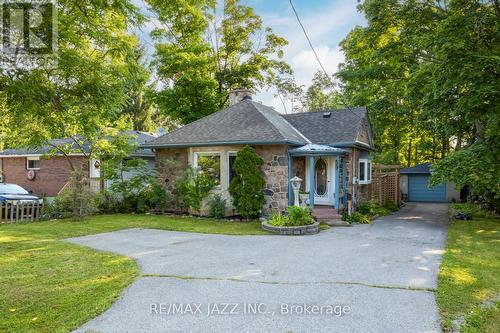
point(310, 229)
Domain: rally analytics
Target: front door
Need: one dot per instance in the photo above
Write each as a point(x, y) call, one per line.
point(323, 189)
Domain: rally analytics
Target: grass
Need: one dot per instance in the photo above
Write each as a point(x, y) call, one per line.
point(469, 279)
point(48, 285)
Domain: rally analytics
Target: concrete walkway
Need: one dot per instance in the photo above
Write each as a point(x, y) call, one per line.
point(368, 278)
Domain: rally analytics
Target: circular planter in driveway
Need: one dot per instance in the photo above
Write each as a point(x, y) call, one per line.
point(296, 230)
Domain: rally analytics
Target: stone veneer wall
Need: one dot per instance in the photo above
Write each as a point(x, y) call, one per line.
point(361, 191)
point(299, 170)
point(275, 171)
point(168, 173)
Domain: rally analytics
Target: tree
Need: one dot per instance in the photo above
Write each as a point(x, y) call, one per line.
point(429, 72)
point(139, 90)
point(321, 94)
point(86, 91)
point(194, 186)
point(202, 54)
point(247, 185)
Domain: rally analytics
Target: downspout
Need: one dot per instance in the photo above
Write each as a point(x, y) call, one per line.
point(311, 181)
point(337, 181)
point(353, 177)
point(344, 181)
point(289, 178)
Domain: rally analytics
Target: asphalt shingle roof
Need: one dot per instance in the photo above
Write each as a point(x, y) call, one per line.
point(342, 126)
point(424, 168)
point(244, 122)
point(139, 137)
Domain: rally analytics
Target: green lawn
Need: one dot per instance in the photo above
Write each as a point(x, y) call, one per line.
point(469, 279)
point(48, 285)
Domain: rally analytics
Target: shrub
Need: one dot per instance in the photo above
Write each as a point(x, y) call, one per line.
point(300, 215)
point(368, 208)
point(77, 200)
point(217, 206)
point(193, 187)
point(391, 206)
point(279, 220)
point(247, 185)
point(356, 217)
point(297, 216)
point(108, 202)
point(152, 196)
point(372, 208)
point(473, 209)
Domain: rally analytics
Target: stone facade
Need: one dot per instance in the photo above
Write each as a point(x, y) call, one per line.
point(169, 164)
point(299, 170)
point(358, 192)
point(275, 171)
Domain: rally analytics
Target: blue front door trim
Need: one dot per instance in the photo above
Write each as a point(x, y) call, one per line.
point(311, 181)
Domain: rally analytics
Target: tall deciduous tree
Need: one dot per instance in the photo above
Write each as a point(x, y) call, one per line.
point(202, 54)
point(86, 90)
point(429, 70)
point(321, 94)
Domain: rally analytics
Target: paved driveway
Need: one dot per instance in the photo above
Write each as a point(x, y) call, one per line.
point(380, 277)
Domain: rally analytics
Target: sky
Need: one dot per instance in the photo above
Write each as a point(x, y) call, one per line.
point(327, 22)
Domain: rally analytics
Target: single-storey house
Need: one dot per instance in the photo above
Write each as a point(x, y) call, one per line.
point(329, 150)
point(45, 175)
point(414, 185)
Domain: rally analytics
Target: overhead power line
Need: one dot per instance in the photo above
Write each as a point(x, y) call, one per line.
point(317, 58)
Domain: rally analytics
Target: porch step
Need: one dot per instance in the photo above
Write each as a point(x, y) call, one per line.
point(328, 215)
point(326, 212)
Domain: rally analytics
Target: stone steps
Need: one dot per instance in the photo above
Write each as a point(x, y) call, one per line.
point(330, 216)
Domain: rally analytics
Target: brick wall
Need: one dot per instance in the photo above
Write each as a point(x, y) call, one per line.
point(53, 174)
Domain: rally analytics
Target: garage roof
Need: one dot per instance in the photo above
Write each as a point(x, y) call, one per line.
point(424, 168)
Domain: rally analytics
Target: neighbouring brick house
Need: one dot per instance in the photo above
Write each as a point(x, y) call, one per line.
point(329, 150)
point(44, 175)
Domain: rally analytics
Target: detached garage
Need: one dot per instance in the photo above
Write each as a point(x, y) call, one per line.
point(414, 184)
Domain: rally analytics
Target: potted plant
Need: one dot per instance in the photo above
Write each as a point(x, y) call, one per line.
point(304, 198)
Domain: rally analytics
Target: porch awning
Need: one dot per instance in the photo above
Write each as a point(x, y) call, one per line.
point(315, 149)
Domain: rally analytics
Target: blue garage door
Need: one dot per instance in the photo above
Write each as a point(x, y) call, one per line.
point(418, 190)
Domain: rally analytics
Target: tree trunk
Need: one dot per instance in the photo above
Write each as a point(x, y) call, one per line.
point(408, 159)
point(458, 144)
point(433, 149)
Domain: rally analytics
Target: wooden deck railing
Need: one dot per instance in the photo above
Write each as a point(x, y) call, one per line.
point(20, 212)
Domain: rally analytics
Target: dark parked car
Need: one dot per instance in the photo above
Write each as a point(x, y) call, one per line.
point(13, 193)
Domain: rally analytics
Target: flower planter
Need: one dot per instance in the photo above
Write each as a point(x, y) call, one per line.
point(310, 229)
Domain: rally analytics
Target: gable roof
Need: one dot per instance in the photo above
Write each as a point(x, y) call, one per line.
point(424, 168)
point(246, 122)
point(139, 138)
point(249, 122)
point(340, 128)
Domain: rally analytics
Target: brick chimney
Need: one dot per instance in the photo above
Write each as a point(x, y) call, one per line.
point(237, 95)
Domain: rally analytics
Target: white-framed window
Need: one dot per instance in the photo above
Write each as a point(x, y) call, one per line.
point(208, 162)
point(365, 171)
point(231, 157)
point(33, 163)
